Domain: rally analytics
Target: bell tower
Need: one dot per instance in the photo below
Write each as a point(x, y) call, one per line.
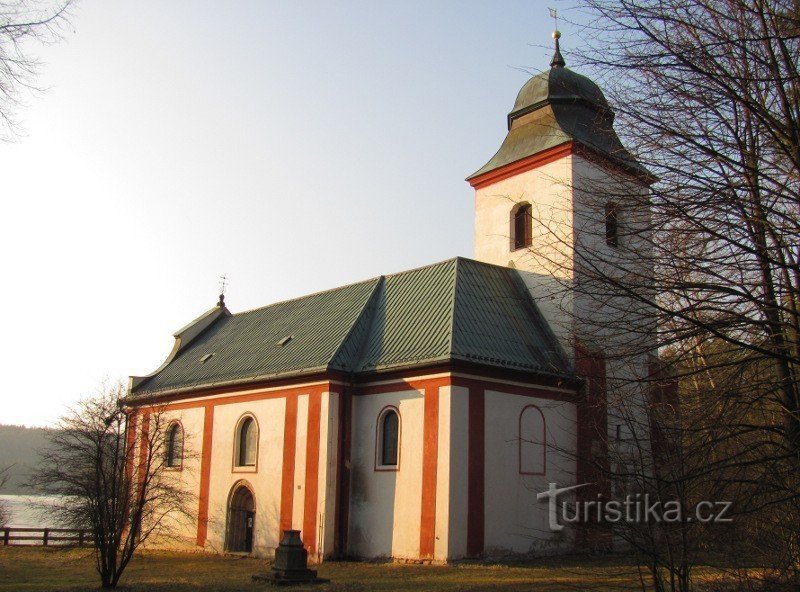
point(556, 202)
point(536, 199)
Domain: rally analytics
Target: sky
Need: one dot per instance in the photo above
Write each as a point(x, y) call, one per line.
point(293, 146)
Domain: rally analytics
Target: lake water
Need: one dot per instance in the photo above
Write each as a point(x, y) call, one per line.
point(31, 511)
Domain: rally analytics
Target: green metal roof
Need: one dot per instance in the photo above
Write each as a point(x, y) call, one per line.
point(458, 309)
point(558, 85)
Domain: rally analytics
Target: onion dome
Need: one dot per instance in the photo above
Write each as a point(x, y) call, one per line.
point(559, 106)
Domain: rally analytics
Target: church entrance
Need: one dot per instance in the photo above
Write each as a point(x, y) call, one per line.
point(241, 521)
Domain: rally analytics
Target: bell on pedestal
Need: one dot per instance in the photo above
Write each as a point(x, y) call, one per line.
point(291, 563)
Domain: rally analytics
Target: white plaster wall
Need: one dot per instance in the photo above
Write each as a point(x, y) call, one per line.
point(385, 506)
point(328, 455)
point(548, 189)
point(568, 198)
point(181, 529)
point(265, 481)
point(458, 413)
point(606, 316)
point(515, 521)
point(442, 539)
point(608, 324)
point(549, 260)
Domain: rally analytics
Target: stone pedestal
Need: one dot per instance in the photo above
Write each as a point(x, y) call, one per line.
point(291, 563)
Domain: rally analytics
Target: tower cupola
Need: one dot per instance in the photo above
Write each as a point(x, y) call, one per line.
point(557, 107)
point(544, 195)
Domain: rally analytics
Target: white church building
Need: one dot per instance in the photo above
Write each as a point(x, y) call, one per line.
point(416, 415)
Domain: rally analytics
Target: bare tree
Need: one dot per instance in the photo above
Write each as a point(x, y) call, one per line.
point(113, 480)
point(704, 264)
point(5, 514)
point(21, 22)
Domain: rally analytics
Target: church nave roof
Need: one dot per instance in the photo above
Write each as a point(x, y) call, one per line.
point(456, 310)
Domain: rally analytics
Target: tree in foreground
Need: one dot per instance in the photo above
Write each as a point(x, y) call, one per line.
point(5, 514)
point(111, 481)
point(705, 265)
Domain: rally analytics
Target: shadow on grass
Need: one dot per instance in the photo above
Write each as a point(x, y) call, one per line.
point(50, 570)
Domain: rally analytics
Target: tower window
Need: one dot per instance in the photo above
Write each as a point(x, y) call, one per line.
point(521, 226)
point(612, 224)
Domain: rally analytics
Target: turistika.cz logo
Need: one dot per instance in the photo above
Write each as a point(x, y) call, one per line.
point(635, 508)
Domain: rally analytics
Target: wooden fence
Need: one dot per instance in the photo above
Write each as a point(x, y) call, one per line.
point(47, 536)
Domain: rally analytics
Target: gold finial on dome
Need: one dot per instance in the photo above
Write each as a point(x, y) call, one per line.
point(558, 59)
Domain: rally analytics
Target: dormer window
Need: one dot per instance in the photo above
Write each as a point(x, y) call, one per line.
point(521, 226)
point(612, 224)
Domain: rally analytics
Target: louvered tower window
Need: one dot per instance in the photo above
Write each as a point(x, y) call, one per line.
point(521, 227)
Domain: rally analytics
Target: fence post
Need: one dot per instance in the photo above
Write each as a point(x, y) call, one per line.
point(6, 532)
point(80, 538)
point(46, 535)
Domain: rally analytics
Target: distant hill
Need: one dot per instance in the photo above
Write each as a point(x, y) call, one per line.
point(19, 447)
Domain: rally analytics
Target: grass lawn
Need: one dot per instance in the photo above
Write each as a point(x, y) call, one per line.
point(36, 569)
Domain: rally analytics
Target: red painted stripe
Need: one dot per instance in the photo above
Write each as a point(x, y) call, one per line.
point(309, 533)
point(475, 473)
point(245, 398)
point(144, 448)
point(205, 475)
point(430, 459)
point(522, 165)
point(311, 381)
point(405, 385)
point(513, 389)
point(130, 452)
point(592, 468)
point(342, 516)
point(287, 477)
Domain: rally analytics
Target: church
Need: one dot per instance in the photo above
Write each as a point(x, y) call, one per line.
point(415, 416)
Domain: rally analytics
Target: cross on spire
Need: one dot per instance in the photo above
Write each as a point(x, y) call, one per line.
point(554, 16)
point(558, 59)
point(223, 283)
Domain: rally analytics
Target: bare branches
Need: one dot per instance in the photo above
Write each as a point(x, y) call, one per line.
point(112, 479)
point(21, 23)
point(707, 266)
point(5, 514)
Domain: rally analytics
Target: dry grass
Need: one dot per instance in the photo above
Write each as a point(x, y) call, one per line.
point(49, 570)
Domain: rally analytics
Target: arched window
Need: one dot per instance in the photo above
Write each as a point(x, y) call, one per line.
point(388, 439)
point(532, 442)
point(612, 224)
point(521, 226)
point(247, 442)
point(174, 445)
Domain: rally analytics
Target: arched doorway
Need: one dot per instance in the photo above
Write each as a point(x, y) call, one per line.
point(241, 520)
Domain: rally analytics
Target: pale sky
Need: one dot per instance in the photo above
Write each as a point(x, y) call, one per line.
point(295, 146)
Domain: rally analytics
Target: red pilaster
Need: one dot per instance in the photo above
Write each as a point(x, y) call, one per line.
point(312, 472)
point(430, 460)
point(289, 450)
point(205, 475)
